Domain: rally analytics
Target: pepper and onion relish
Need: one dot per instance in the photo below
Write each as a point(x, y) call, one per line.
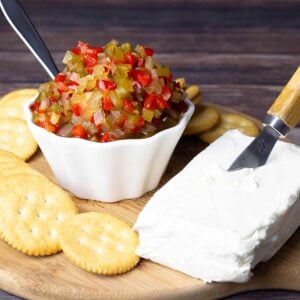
point(109, 93)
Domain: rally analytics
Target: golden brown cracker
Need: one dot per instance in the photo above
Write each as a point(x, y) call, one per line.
point(99, 243)
point(16, 138)
point(8, 156)
point(31, 211)
point(228, 122)
point(181, 81)
point(11, 164)
point(193, 91)
point(197, 100)
point(13, 168)
point(204, 118)
point(28, 92)
point(12, 105)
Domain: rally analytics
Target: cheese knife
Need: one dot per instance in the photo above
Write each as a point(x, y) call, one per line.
point(283, 115)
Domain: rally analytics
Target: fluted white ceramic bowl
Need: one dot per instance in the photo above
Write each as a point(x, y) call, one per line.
point(110, 171)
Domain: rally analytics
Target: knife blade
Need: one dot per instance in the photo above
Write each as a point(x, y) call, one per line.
point(257, 153)
point(22, 25)
point(283, 115)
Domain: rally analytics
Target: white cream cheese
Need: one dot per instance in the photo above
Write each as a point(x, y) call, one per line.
point(216, 225)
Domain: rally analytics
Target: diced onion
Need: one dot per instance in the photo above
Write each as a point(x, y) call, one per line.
point(74, 77)
point(43, 104)
point(116, 114)
point(76, 120)
point(98, 117)
point(65, 130)
point(154, 74)
point(149, 63)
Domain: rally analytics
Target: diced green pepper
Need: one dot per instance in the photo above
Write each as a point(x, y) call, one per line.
point(57, 108)
point(176, 97)
point(163, 72)
point(126, 47)
point(148, 115)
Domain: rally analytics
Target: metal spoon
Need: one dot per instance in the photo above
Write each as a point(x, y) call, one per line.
point(22, 25)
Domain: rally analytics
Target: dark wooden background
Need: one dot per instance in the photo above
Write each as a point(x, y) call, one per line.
point(240, 52)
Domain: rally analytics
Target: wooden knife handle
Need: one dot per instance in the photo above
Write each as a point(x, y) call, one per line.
point(287, 104)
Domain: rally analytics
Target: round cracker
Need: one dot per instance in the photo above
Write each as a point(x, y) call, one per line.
point(99, 243)
point(21, 92)
point(193, 91)
point(6, 156)
point(12, 168)
point(11, 164)
point(181, 81)
point(197, 99)
point(16, 138)
point(13, 107)
point(228, 122)
point(32, 210)
point(204, 118)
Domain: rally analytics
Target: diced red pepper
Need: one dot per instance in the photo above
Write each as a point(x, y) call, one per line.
point(34, 106)
point(48, 126)
point(161, 102)
point(130, 58)
point(71, 85)
point(141, 62)
point(139, 123)
point(106, 137)
point(142, 77)
point(149, 51)
point(60, 77)
point(166, 93)
point(150, 102)
point(71, 82)
point(94, 51)
point(128, 105)
point(90, 60)
point(107, 103)
point(106, 69)
point(76, 109)
point(106, 85)
point(92, 119)
point(79, 131)
point(89, 69)
point(52, 99)
point(80, 48)
point(122, 121)
point(62, 88)
point(76, 51)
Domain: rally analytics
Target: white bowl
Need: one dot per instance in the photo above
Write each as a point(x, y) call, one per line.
point(110, 171)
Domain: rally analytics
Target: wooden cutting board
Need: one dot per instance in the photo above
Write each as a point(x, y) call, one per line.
point(54, 277)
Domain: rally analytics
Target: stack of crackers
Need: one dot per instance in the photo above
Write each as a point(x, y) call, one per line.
point(14, 134)
point(208, 123)
point(39, 218)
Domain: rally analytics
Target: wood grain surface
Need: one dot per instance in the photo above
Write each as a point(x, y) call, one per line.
point(241, 52)
point(55, 277)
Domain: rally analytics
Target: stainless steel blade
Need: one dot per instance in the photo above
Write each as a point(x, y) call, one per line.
point(257, 153)
point(22, 25)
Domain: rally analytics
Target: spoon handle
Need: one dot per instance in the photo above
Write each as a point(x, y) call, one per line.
point(23, 26)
